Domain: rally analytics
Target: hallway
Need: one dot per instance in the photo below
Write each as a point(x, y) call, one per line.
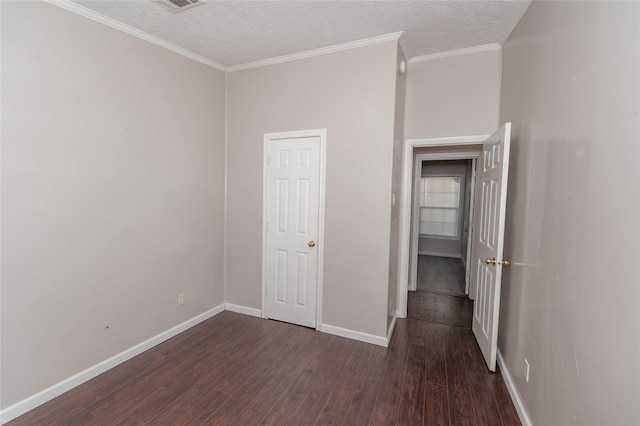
point(458, 387)
point(440, 296)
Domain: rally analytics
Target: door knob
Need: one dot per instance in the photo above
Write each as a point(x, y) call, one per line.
point(312, 243)
point(495, 262)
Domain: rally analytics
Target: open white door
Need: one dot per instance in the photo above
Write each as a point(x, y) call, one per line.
point(488, 241)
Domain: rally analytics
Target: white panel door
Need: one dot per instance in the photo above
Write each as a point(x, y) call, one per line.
point(293, 190)
point(489, 218)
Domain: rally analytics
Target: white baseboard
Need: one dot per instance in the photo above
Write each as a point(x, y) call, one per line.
point(513, 391)
point(243, 310)
point(354, 335)
point(439, 254)
point(29, 403)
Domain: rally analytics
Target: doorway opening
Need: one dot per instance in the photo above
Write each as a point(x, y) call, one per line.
point(416, 152)
point(489, 215)
point(442, 214)
point(443, 201)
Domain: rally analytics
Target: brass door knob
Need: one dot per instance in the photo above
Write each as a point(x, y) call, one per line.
point(312, 243)
point(495, 262)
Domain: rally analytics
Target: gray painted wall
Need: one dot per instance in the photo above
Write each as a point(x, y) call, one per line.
point(352, 94)
point(570, 302)
point(454, 96)
point(112, 193)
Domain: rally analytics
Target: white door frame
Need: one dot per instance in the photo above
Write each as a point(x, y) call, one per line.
point(268, 137)
point(472, 201)
point(407, 184)
point(417, 167)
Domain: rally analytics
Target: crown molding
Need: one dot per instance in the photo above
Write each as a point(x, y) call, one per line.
point(457, 52)
point(316, 52)
point(98, 17)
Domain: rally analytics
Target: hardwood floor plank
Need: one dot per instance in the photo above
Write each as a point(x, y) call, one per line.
point(361, 406)
point(357, 386)
point(384, 415)
point(233, 406)
point(411, 411)
point(396, 361)
point(190, 408)
point(336, 407)
point(311, 406)
point(485, 405)
point(508, 412)
point(263, 402)
point(283, 412)
point(436, 405)
point(436, 354)
point(418, 330)
point(263, 362)
point(461, 412)
point(477, 371)
point(328, 363)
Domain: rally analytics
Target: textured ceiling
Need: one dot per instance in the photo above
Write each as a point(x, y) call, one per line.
point(239, 32)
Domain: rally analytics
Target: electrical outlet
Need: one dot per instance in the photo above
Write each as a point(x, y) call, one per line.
point(181, 299)
point(526, 370)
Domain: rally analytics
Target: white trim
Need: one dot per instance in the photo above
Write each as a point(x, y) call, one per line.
point(110, 22)
point(33, 401)
point(405, 208)
point(513, 392)
point(355, 335)
point(391, 327)
point(466, 258)
point(245, 310)
point(456, 52)
point(322, 134)
point(316, 52)
point(440, 254)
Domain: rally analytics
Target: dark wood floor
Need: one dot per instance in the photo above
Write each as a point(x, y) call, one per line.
point(235, 369)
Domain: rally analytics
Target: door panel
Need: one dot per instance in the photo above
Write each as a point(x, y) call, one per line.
point(488, 241)
point(292, 203)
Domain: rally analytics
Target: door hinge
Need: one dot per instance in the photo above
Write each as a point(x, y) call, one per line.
point(266, 291)
point(267, 226)
point(268, 160)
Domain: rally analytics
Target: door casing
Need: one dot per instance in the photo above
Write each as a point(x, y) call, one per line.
point(268, 137)
point(406, 210)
